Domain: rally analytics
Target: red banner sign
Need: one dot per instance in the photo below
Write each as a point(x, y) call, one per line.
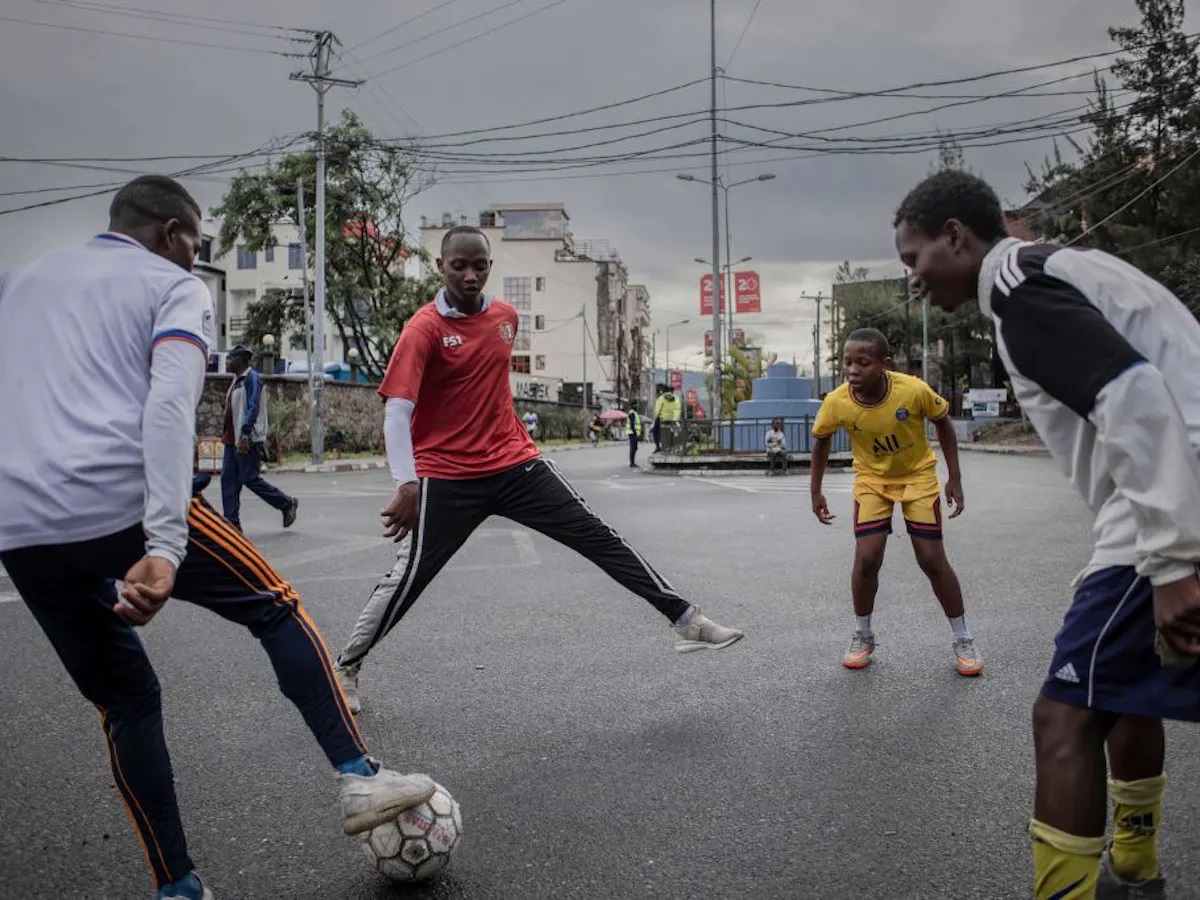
point(691, 398)
point(747, 292)
point(676, 379)
point(738, 338)
point(706, 295)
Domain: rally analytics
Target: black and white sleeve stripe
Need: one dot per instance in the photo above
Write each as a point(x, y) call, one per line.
point(1054, 336)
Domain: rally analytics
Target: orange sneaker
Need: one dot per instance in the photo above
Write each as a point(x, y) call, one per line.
point(859, 654)
point(967, 658)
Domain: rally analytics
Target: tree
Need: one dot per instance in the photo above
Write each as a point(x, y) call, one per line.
point(368, 186)
point(738, 373)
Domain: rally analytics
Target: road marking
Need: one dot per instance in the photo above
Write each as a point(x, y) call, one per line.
point(780, 486)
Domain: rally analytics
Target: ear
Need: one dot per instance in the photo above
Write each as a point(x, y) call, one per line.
point(956, 235)
point(440, 267)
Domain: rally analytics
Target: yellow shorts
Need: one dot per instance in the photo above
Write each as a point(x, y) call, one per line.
point(920, 503)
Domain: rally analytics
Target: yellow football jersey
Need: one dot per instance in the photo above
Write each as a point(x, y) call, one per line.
point(888, 437)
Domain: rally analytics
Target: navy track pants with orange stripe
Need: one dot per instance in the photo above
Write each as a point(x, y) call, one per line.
point(70, 590)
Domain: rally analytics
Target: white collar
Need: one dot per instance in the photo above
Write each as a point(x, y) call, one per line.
point(449, 312)
point(989, 269)
point(120, 238)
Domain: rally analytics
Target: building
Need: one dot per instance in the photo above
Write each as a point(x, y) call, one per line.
point(581, 323)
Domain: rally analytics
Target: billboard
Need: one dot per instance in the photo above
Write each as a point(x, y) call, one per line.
point(706, 295)
point(747, 292)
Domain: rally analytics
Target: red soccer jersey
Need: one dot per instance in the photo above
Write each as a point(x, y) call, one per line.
point(455, 370)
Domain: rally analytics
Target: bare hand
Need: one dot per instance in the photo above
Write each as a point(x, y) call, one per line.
point(1177, 615)
point(954, 497)
point(148, 584)
point(243, 444)
point(400, 516)
point(820, 508)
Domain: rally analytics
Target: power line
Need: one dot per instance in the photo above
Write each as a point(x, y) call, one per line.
point(396, 28)
point(193, 16)
point(146, 37)
point(272, 31)
point(443, 29)
point(745, 28)
point(474, 37)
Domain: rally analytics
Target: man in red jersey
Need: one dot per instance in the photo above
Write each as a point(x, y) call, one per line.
point(459, 454)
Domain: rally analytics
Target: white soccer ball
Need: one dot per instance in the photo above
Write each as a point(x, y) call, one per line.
point(418, 843)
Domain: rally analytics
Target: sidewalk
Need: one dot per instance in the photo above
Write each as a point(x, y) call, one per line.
point(379, 462)
point(1005, 449)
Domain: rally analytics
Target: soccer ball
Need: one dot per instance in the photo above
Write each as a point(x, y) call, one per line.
point(418, 843)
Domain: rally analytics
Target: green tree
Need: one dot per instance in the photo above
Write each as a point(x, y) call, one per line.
point(368, 186)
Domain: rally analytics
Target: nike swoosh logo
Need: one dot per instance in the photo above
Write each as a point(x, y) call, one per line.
point(529, 468)
point(1066, 892)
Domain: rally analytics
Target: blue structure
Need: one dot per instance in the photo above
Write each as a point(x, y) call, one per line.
point(781, 394)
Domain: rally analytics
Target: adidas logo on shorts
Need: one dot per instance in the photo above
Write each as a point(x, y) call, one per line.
point(1067, 673)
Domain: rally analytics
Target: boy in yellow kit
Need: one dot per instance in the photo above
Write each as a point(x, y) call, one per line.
point(885, 413)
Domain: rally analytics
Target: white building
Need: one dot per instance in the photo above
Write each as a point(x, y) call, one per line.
point(576, 311)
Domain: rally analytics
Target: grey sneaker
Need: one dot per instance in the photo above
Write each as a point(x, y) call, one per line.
point(702, 633)
point(1112, 887)
point(347, 679)
point(859, 654)
point(289, 514)
point(368, 801)
point(968, 660)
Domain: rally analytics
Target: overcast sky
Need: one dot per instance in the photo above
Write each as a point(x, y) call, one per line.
point(69, 93)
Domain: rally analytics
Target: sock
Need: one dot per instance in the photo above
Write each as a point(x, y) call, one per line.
point(864, 625)
point(187, 887)
point(685, 620)
point(959, 626)
point(1065, 867)
point(1137, 808)
point(362, 765)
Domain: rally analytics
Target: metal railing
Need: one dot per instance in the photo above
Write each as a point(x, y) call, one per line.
point(695, 437)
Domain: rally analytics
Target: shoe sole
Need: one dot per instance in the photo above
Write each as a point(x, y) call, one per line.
point(856, 664)
point(372, 818)
point(693, 646)
point(969, 673)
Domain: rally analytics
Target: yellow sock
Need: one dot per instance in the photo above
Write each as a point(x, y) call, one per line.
point(1065, 867)
point(1137, 808)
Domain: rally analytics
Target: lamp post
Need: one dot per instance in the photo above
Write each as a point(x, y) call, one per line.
point(355, 360)
point(268, 354)
point(668, 330)
point(766, 176)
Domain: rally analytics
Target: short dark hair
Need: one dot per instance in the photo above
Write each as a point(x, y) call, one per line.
point(152, 200)
point(873, 336)
point(953, 194)
point(463, 229)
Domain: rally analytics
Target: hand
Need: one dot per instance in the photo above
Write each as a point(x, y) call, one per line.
point(954, 497)
point(820, 508)
point(243, 444)
point(1177, 615)
point(148, 584)
point(400, 516)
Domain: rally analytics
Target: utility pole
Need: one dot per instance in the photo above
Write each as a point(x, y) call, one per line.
point(321, 81)
point(718, 378)
point(314, 419)
point(925, 339)
point(583, 388)
point(819, 296)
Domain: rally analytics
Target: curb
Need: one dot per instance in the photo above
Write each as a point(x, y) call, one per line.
point(366, 465)
point(1005, 450)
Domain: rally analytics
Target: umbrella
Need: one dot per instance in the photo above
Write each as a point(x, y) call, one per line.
point(613, 415)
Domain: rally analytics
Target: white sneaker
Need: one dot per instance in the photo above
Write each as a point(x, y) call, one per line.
point(368, 801)
point(347, 679)
point(702, 633)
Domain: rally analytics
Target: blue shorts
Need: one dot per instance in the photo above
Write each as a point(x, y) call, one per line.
point(1104, 656)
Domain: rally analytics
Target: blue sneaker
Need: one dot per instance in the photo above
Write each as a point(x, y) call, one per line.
point(189, 887)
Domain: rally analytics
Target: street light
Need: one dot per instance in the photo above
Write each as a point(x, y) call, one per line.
point(668, 330)
point(766, 176)
point(268, 353)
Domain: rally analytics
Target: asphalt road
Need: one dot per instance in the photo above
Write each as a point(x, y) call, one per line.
point(591, 761)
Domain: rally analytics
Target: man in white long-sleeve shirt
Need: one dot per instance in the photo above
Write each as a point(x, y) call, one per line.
point(95, 485)
point(1103, 361)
